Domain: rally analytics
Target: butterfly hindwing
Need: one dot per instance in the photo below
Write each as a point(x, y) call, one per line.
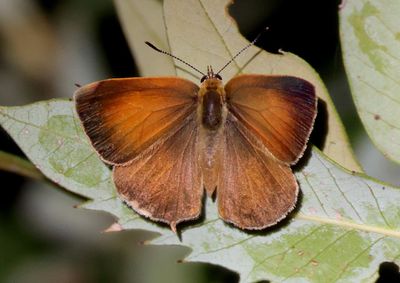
point(254, 191)
point(165, 183)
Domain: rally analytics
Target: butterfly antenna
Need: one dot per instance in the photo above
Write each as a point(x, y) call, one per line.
point(243, 49)
point(173, 56)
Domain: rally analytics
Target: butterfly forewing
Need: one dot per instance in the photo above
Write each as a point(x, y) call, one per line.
point(165, 183)
point(123, 117)
point(254, 191)
point(279, 110)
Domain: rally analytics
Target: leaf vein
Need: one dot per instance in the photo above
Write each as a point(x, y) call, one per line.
point(348, 264)
point(332, 243)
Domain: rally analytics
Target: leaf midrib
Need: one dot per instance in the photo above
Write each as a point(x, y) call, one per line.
point(349, 224)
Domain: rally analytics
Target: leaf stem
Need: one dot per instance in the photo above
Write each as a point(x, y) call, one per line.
point(18, 165)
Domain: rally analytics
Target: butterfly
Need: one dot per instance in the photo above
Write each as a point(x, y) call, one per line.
point(171, 140)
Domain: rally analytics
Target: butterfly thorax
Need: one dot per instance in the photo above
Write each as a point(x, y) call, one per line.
point(212, 97)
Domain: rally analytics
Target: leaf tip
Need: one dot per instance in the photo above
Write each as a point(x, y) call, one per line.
point(115, 227)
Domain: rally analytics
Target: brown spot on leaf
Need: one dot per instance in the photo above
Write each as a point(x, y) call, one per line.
point(314, 262)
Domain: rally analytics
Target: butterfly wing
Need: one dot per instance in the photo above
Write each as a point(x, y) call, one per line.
point(279, 110)
point(165, 183)
point(254, 190)
point(123, 117)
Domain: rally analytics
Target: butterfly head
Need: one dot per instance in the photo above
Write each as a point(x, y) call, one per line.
point(211, 81)
point(210, 75)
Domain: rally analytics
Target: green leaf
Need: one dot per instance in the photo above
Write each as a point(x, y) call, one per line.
point(370, 36)
point(202, 33)
point(52, 138)
point(345, 224)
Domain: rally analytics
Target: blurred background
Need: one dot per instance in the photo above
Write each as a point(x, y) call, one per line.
point(46, 46)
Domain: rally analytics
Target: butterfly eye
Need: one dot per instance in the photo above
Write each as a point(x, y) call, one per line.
point(218, 77)
point(203, 79)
